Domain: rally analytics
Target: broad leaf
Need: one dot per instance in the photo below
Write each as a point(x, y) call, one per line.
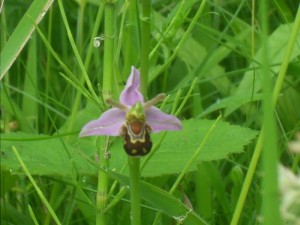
point(46, 155)
point(178, 147)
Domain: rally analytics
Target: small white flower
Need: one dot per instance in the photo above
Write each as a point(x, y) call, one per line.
point(289, 185)
point(294, 146)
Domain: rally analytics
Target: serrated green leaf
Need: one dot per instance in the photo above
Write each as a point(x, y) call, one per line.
point(178, 147)
point(43, 154)
point(48, 156)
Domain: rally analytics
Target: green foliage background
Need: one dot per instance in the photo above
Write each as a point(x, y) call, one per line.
point(209, 61)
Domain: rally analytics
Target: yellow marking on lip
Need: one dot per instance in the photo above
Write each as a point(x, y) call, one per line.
point(133, 151)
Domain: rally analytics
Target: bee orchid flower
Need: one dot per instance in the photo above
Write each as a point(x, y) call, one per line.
point(132, 118)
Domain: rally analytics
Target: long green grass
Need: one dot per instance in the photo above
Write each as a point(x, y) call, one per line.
point(231, 73)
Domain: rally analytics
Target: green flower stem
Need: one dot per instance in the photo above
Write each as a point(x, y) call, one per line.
point(108, 60)
point(258, 147)
point(131, 37)
point(270, 205)
point(135, 195)
point(101, 200)
point(108, 77)
point(134, 163)
point(145, 43)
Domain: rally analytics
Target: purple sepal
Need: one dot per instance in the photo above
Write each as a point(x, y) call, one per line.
point(159, 120)
point(109, 123)
point(131, 94)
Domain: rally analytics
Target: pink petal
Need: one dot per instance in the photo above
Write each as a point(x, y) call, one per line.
point(159, 121)
point(131, 94)
point(109, 123)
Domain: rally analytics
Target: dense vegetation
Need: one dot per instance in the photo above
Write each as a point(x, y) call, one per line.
point(231, 73)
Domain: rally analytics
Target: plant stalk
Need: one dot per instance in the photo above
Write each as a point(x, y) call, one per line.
point(270, 204)
point(135, 195)
point(108, 60)
point(131, 37)
point(145, 43)
point(134, 163)
point(102, 196)
point(108, 77)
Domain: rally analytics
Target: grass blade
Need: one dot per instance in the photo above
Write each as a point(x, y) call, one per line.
point(22, 33)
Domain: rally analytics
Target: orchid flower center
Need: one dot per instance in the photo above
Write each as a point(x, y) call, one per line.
point(138, 109)
point(136, 113)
